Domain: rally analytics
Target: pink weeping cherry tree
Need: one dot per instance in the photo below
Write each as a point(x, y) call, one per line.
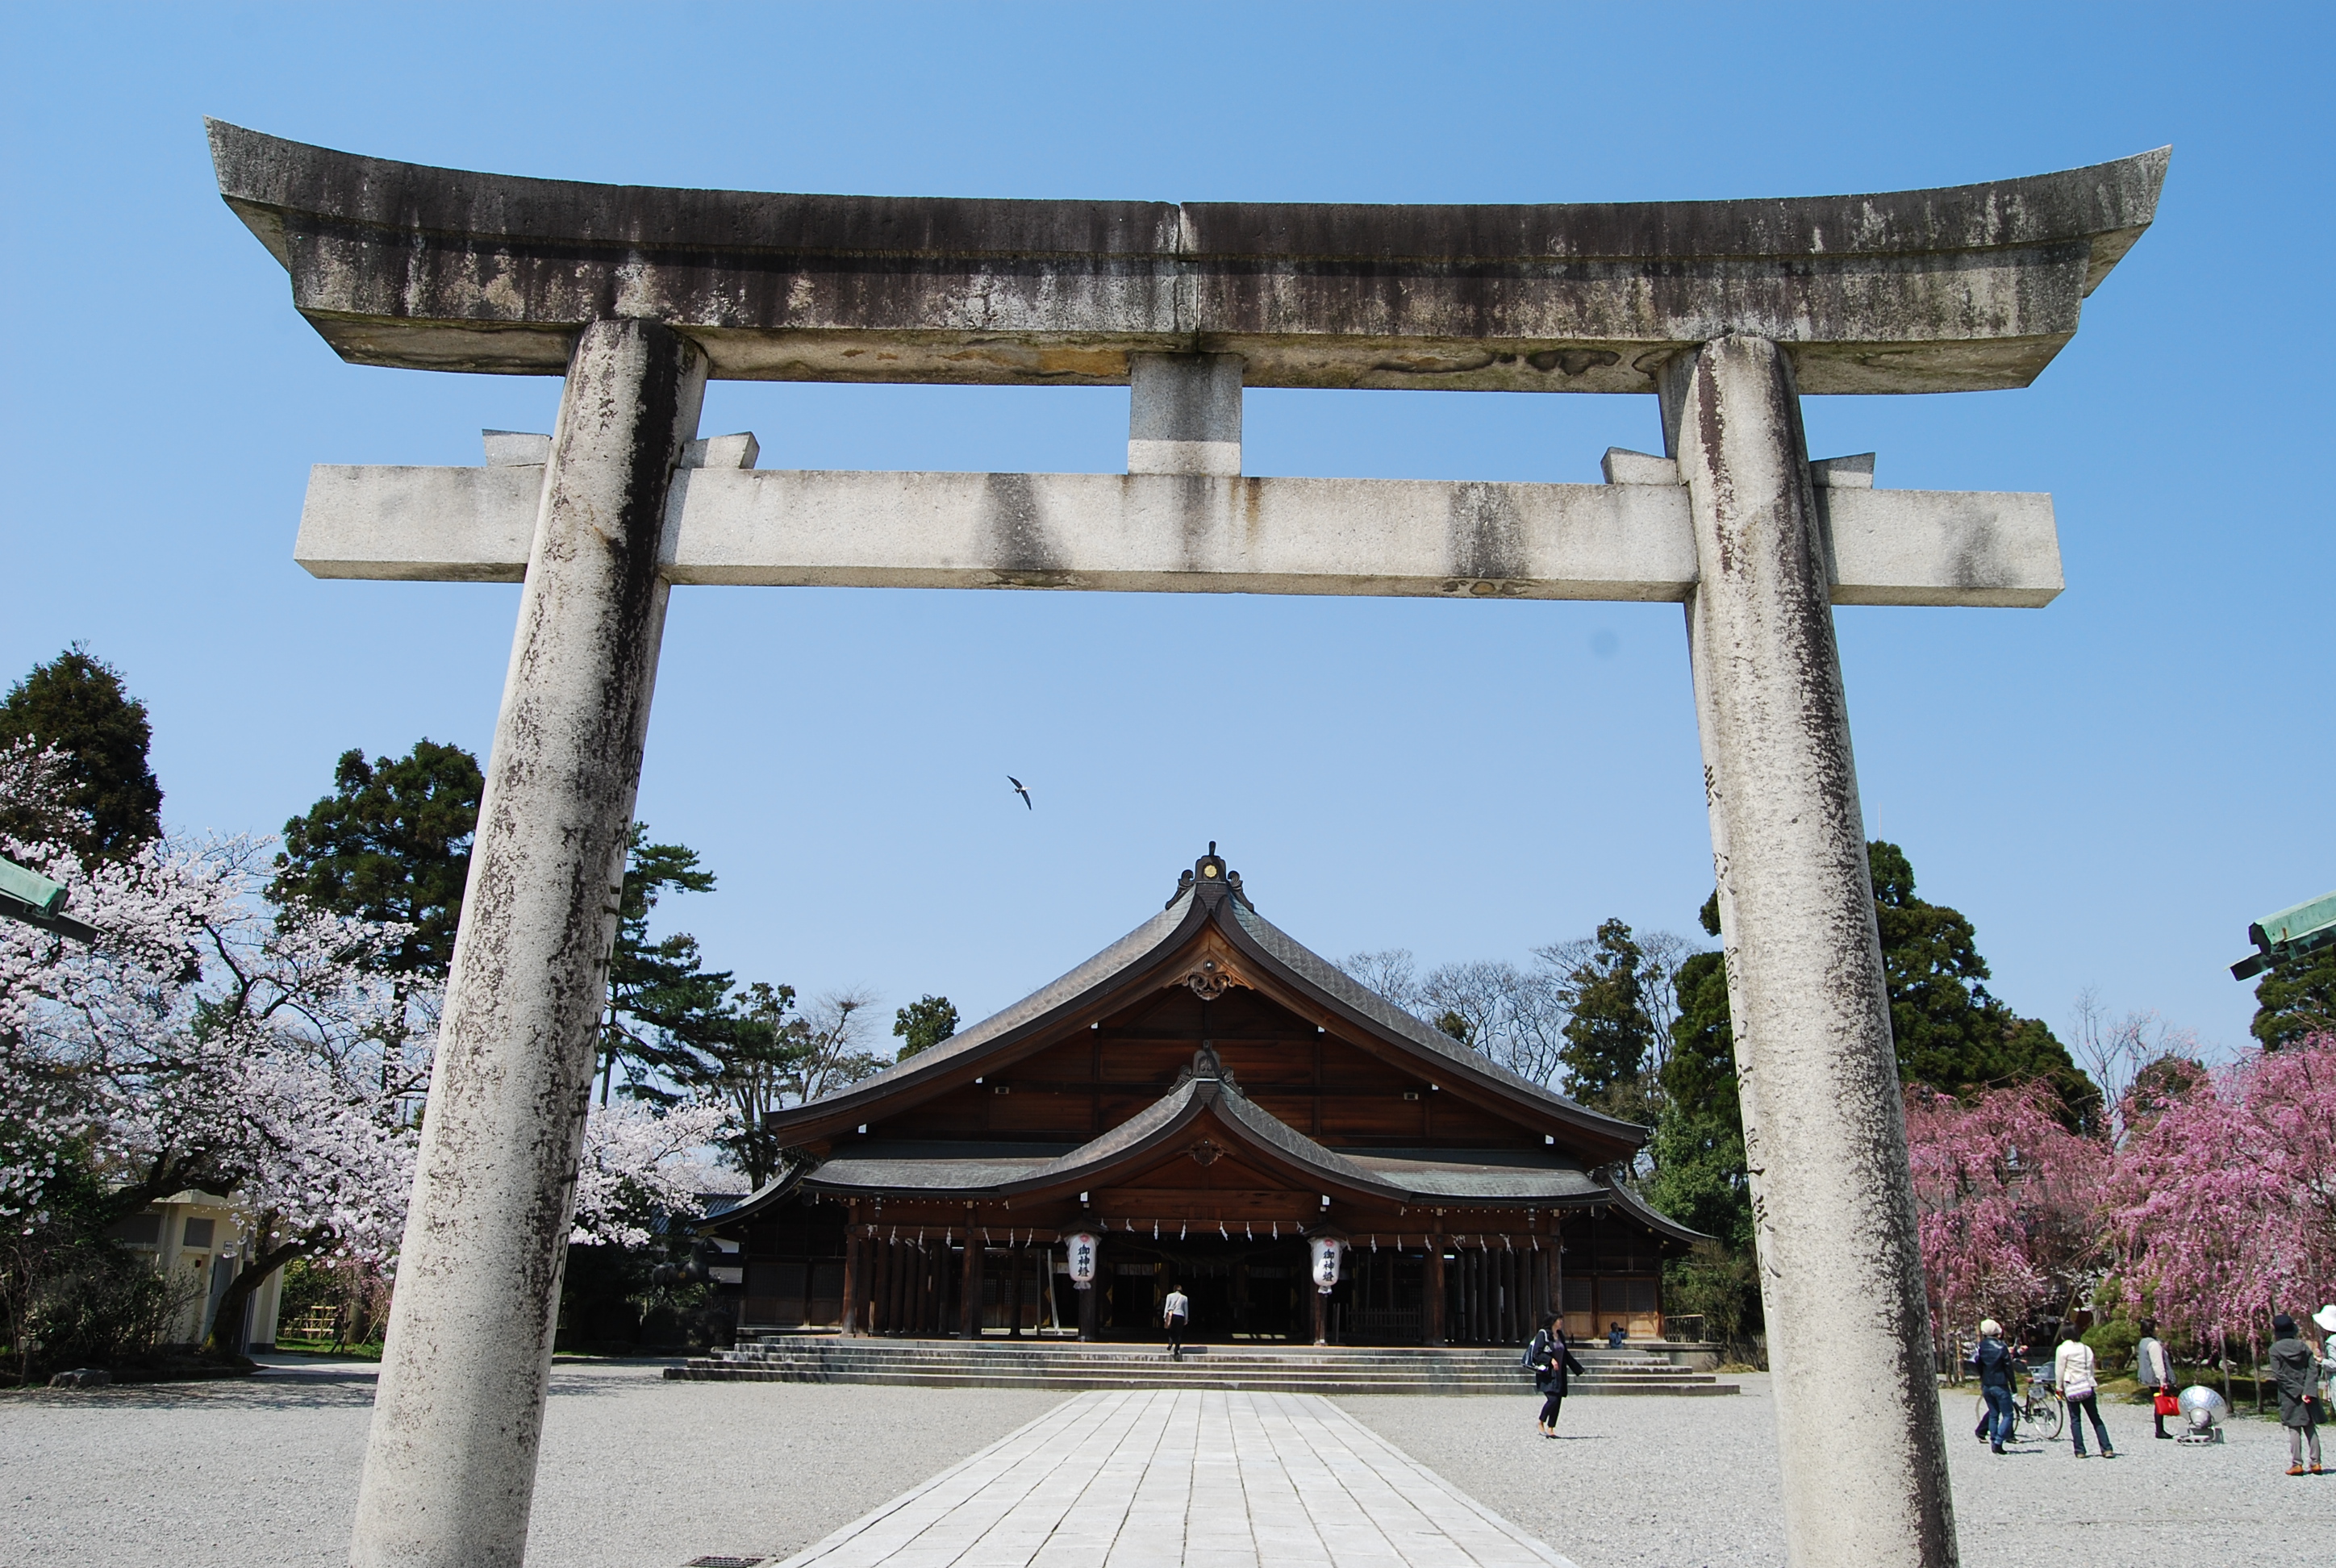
point(2224, 1204)
point(2008, 1203)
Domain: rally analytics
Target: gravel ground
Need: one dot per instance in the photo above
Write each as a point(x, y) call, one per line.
point(1653, 1482)
point(636, 1473)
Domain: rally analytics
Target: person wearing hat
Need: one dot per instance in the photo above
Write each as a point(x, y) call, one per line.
point(2154, 1370)
point(2326, 1319)
point(2296, 1370)
point(1995, 1362)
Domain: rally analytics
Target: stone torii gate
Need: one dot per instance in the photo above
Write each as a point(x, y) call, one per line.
point(1726, 312)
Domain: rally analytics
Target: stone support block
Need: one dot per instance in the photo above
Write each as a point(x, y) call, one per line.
point(1184, 414)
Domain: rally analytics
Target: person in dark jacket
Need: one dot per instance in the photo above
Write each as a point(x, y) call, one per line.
point(2297, 1370)
point(2154, 1370)
point(1550, 1361)
point(1997, 1365)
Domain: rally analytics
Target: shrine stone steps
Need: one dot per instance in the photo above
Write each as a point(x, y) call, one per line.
point(940, 1363)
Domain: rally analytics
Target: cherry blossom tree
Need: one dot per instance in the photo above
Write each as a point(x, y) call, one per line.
point(2007, 1201)
point(209, 1040)
point(2224, 1202)
point(641, 1161)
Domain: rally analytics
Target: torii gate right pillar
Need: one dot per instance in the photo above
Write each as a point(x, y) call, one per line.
point(1824, 1129)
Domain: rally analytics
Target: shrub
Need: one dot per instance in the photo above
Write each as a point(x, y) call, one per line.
point(2113, 1344)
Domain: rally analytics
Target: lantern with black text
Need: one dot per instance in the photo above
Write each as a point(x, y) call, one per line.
point(1329, 1251)
point(1079, 1250)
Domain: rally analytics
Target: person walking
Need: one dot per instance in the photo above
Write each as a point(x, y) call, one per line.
point(1550, 1362)
point(2296, 1367)
point(1996, 1366)
point(2072, 1368)
point(2326, 1319)
point(1174, 1314)
point(2154, 1369)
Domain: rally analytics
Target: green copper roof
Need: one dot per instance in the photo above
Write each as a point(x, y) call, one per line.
point(31, 888)
point(2293, 925)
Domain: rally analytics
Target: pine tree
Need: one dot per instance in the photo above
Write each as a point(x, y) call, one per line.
point(2297, 997)
point(391, 843)
point(76, 705)
point(1609, 1032)
point(663, 1004)
point(922, 1025)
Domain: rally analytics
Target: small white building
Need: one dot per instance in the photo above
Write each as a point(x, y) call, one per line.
point(203, 1239)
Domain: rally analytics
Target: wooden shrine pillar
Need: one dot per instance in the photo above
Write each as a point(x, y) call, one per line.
point(1017, 1261)
point(854, 1277)
point(1434, 1316)
point(1557, 1268)
point(970, 1313)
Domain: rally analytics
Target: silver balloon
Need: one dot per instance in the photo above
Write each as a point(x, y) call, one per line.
point(2202, 1408)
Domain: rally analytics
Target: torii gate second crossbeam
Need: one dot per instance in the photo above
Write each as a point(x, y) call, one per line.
point(1727, 312)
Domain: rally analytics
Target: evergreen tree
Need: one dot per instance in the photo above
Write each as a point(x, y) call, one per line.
point(76, 705)
point(749, 1064)
point(922, 1025)
point(663, 1002)
point(1609, 1032)
point(2295, 998)
point(1951, 1033)
point(1701, 1178)
point(391, 843)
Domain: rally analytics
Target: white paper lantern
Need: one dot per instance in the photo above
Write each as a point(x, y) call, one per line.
point(1080, 1248)
point(1328, 1250)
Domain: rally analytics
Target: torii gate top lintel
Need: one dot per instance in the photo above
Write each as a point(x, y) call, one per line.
point(1968, 288)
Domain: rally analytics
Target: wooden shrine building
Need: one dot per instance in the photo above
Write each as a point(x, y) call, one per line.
point(1205, 1095)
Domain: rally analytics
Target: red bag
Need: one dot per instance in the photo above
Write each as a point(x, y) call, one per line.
point(2168, 1405)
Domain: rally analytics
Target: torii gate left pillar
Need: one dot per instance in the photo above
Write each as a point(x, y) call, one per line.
point(1728, 312)
point(451, 1469)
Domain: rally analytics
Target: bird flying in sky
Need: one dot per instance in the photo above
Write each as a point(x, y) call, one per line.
point(1021, 789)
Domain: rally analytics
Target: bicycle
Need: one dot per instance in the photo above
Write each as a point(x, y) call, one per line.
point(2038, 1406)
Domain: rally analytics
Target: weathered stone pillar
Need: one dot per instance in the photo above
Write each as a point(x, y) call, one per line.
point(1865, 1485)
point(450, 1468)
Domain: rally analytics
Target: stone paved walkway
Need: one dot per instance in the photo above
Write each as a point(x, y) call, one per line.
point(1199, 1480)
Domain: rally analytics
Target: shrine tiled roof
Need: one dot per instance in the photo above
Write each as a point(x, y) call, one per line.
point(1416, 1177)
point(1144, 957)
point(1352, 994)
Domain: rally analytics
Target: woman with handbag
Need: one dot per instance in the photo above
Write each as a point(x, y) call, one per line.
point(2154, 1370)
point(2072, 1368)
point(2296, 1367)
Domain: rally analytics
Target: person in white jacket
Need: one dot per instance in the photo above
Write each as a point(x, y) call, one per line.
point(2072, 1369)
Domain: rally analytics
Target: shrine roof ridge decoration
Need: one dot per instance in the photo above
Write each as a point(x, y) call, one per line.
point(1152, 958)
point(1957, 289)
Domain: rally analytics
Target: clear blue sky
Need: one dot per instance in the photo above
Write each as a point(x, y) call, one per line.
point(2110, 788)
